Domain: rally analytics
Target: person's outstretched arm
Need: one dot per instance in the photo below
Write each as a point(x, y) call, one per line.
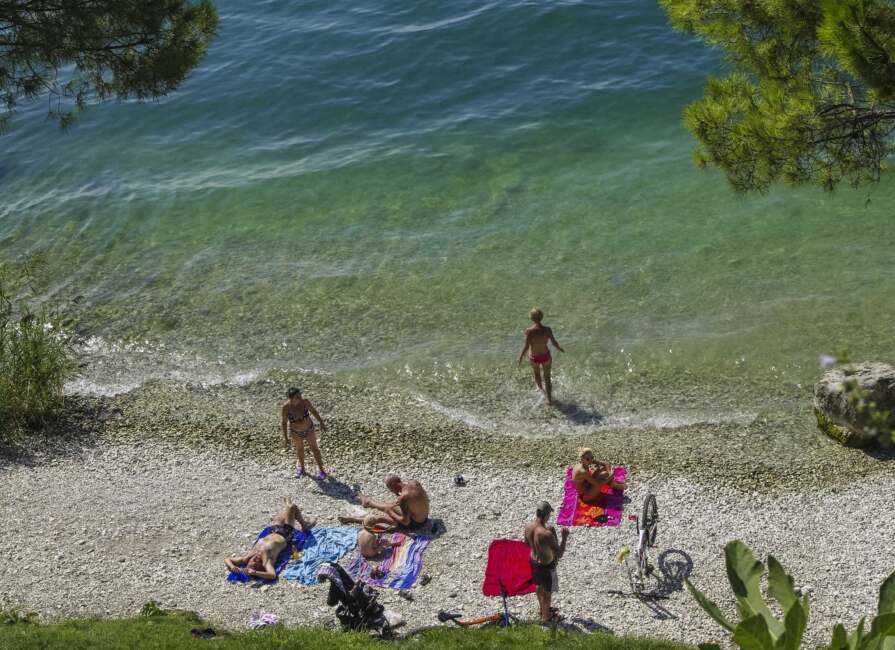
point(564, 533)
point(317, 415)
point(384, 506)
point(393, 509)
point(555, 344)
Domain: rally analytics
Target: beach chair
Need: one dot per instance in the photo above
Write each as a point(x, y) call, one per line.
point(507, 574)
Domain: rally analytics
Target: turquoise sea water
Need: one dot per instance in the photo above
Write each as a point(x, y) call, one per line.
point(384, 189)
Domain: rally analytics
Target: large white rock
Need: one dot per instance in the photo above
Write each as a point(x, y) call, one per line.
point(836, 414)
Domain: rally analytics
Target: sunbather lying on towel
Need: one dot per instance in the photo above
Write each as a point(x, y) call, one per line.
point(589, 475)
point(259, 561)
point(409, 511)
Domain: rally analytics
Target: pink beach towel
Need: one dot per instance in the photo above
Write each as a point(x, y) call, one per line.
point(508, 570)
point(608, 506)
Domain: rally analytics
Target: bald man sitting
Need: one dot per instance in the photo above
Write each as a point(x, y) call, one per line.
point(409, 511)
point(590, 475)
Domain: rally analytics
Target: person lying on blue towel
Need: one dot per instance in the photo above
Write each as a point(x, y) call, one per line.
point(259, 561)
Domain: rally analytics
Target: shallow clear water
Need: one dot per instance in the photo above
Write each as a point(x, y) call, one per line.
point(385, 190)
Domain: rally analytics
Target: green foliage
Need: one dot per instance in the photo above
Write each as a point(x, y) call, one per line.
point(16, 617)
point(874, 420)
point(172, 632)
point(36, 353)
point(151, 609)
point(78, 52)
point(811, 94)
point(759, 629)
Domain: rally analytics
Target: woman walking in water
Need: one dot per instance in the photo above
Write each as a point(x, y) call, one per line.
point(296, 419)
point(536, 339)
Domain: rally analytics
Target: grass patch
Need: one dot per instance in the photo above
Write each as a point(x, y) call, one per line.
point(171, 631)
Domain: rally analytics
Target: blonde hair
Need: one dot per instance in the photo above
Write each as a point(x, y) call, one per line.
point(536, 315)
point(585, 451)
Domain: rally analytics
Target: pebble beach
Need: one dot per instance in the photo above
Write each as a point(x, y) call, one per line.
point(146, 495)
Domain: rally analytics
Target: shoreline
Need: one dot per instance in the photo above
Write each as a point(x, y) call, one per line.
point(367, 421)
point(150, 490)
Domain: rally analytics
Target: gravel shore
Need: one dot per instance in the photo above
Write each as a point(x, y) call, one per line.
point(150, 490)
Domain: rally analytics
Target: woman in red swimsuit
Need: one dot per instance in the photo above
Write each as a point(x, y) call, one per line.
point(537, 338)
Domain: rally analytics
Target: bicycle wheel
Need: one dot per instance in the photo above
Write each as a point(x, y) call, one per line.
point(649, 519)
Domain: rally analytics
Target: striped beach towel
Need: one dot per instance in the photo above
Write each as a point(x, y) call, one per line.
point(401, 564)
point(605, 511)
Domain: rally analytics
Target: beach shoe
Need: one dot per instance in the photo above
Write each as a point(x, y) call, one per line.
point(300, 473)
point(555, 616)
point(321, 475)
point(203, 633)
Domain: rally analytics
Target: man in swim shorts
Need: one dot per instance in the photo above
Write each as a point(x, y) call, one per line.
point(537, 338)
point(546, 552)
point(410, 511)
point(590, 475)
point(259, 561)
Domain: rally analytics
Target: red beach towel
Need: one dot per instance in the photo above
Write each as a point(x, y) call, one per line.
point(508, 570)
point(608, 506)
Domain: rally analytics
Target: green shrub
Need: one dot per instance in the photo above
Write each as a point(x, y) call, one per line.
point(759, 629)
point(151, 609)
point(876, 420)
point(36, 352)
point(16, 617)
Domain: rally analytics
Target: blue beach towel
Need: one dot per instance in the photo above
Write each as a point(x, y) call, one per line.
point(321, 545)
point(298, 539)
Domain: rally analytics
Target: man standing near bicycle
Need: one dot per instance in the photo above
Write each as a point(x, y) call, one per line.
point(546, 552)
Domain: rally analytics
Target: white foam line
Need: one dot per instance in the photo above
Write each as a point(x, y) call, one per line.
point(454, 413)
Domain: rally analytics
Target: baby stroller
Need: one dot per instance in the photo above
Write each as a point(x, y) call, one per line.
point(355, 602)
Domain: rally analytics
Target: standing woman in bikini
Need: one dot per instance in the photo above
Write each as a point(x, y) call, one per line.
point(296, 419)
point(536, 339)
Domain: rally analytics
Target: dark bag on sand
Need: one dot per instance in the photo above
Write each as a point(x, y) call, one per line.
point(356, 602)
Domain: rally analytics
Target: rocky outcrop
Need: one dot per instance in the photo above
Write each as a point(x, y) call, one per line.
point(837, 414)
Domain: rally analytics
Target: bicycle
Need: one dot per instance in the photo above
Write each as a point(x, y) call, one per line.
point(647, 530)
